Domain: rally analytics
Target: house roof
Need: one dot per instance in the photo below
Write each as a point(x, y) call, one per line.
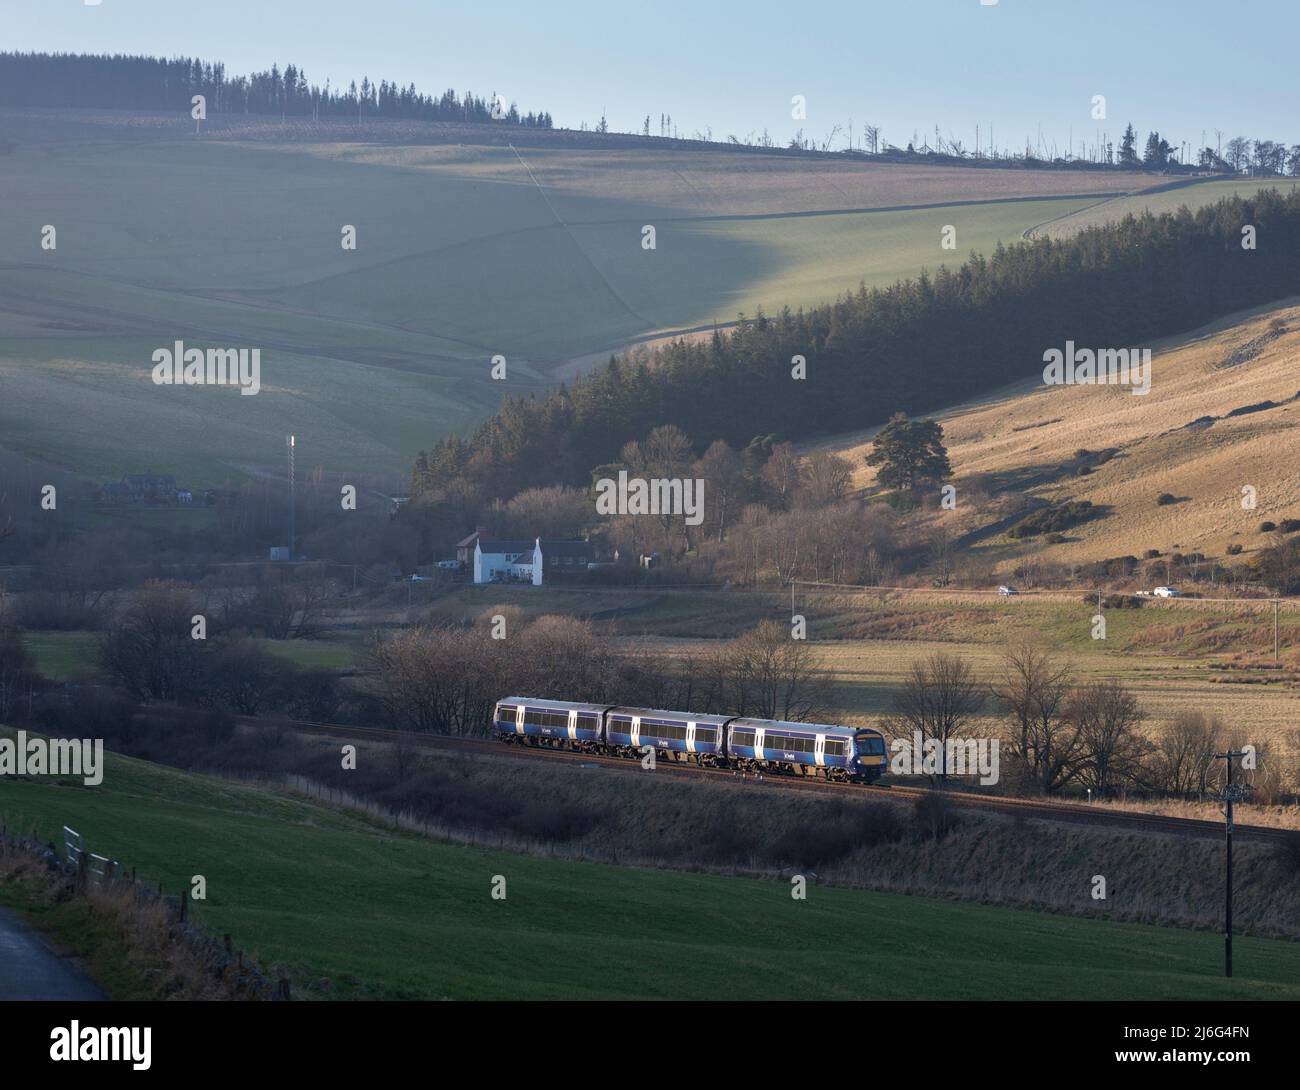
point(504, 547)
point(465, 543)
point(566, 548)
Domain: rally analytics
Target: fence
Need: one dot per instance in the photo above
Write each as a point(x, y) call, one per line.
point(222, 960)
point(89, 868)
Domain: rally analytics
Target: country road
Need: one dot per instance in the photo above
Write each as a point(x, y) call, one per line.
point(30, 969)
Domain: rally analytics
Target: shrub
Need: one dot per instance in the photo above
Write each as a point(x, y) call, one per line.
point(1058, 517)
point(1289, 526)
point(1234, 548)
point(1151, 554)
point(1165, 499)
point(1267, 527)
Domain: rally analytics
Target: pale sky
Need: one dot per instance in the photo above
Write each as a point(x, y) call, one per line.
point(1182, 66)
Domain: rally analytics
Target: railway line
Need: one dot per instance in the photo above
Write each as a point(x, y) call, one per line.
point(1076, 813)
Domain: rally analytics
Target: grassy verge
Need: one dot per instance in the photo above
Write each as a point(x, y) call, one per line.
point(75, 928)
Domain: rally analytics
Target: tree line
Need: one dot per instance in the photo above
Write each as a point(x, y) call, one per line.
point(155, 83)
point(1061, 731)
point(912, 347)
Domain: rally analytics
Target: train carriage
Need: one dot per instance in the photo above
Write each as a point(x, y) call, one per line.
point(680, 736)
point(559, 723)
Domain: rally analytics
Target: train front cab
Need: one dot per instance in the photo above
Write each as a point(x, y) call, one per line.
point(869, 758)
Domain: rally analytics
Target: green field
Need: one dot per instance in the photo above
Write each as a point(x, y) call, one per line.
point(74, 656)
point(350, 908)
point(463, 253)
point(1169, 200)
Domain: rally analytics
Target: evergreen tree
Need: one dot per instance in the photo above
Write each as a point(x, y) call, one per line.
point(910, 454)
point(1128, 148)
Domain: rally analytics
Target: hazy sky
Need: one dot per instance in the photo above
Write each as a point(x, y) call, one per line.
point(1183, 66)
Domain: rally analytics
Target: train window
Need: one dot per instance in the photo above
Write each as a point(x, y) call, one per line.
point(587, 722)
point(655, 728)
point(535, 717)
point(834, 749)
point(742, 737)
point(706, 734)
point(870, 743)
point(505, 711)
point(620, 724)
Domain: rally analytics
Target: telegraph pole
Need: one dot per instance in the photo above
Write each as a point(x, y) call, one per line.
point(1231, 793)
point(289, 442)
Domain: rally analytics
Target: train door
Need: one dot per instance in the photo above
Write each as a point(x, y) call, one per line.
point(519, 719)
point(690, 737)
point(758, 743)
point(573, 724)
point(819, 749)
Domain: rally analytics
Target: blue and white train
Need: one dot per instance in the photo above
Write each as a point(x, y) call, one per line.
point(848, 754)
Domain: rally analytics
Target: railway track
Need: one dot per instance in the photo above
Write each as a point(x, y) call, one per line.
point(1077, 813)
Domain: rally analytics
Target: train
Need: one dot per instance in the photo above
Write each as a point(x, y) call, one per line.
point(816, 750)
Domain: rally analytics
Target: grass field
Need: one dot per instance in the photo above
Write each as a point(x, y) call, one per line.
point(349, 908)
point(463, 253)
point(1167, 200)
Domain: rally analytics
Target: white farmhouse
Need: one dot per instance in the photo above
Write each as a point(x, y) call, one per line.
point(508, 562)
point(523, 561)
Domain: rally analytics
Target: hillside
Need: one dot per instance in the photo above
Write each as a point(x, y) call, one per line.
point(1025, 441)
point(463, 252)
point(351, 908)
point(1156, 199)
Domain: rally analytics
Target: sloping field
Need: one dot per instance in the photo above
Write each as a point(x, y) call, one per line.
point(350, 908)
point(1159, 200)
point(1026, 439)
point(463, 252)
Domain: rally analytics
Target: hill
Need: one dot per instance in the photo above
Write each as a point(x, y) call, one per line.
point(464, 252)
point(1220, 416)
point(351, 908)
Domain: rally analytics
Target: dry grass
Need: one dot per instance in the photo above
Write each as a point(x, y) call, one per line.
point(866, 674)
point(1025, 438)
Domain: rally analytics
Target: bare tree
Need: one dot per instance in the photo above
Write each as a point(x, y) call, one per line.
point(825, 479)
point(1045, 742)
point(767, 674)
point(151, 651)
point(939, 699)
point(1108, 718)
point(1183, 761)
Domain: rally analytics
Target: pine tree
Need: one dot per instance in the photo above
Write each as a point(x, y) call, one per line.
point(1128, 148)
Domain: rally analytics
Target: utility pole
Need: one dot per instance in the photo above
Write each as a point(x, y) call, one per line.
point(1231, 793)
point(289, 442)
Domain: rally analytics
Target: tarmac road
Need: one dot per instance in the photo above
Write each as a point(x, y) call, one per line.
point(30, 969)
